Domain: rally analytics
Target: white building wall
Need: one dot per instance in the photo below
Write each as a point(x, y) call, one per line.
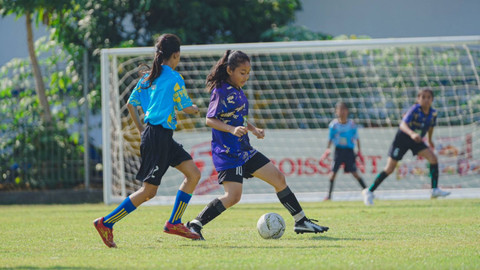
point(13, 36)
point(391, 18)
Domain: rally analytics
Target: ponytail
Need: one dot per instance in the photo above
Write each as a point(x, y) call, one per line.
point(156, 69)
point(218, 74)
point(167, 44)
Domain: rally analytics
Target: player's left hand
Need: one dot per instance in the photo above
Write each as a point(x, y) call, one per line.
point(195, 108)
point(260, 133)
point(360, 156)
point(432, 145)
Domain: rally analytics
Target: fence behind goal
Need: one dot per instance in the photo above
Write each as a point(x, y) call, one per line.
point(292, 91)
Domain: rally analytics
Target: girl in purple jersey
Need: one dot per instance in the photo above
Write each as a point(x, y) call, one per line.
point(233, 156)
point(419, 120)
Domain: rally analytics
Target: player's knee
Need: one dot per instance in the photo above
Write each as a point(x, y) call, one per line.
point(389, 170)
point(231, 199)
point(433, 160)
point(280, 183)
point(150, 194)
point(194, 175)
point(146, 194)
point(234, 198)
point(281, 179)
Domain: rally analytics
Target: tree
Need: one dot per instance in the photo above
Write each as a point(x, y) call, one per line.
point(32, 155)
point(108, 23)
point(44, 9)
point(293, 33)
point(97, 24)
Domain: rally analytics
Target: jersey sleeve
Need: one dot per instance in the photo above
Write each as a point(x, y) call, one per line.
point(407, 118)
point(180, 95)
point(216, 105)
point(434, 119)
point(354, 131)
point(135, 95)
point(331, 131)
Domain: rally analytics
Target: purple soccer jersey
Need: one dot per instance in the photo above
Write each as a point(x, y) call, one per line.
point(418, 121)
point(229, 105)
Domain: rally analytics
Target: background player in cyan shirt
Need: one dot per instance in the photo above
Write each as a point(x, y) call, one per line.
point(159, 93)
point(419, 120)
point(343, 134)
point(233, 156)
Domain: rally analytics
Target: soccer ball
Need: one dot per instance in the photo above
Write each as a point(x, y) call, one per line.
point(271, 226)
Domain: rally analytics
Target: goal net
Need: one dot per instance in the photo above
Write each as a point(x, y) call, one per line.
point(293, 89)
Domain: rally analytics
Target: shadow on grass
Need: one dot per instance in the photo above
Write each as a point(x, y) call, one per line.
point(207, 245)
point(216, 246)
point(328, 238)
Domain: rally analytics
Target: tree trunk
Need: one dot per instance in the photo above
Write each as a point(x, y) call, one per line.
point(39, 84)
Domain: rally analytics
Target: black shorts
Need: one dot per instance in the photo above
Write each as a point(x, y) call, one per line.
point(346, 156)
point(401, 144)
point(245, 171)
point(159, 150)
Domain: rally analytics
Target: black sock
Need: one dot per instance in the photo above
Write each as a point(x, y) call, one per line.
point(360, 181)
point(288, 199)
point(380, 177)
point(211, 211)
point(434, 175)
point(330, 189)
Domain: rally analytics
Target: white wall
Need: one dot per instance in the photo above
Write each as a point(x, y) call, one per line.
point(13, 35)
point(392, 18)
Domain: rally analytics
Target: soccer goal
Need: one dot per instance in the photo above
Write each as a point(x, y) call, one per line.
point(292, 91)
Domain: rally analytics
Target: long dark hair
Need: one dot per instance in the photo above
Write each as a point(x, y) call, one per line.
point(167, 44)
point(218, 74)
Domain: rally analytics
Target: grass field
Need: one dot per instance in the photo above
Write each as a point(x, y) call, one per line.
point(436, 234)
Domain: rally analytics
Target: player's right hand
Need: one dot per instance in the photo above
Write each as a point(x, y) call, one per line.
point(240, 131)
point(416, 137)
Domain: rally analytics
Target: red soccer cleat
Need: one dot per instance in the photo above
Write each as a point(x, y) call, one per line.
point(105, 233)
point(180, 229)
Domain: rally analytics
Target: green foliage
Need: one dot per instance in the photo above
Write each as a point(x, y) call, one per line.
point(94, 25)
point(44, 8)
point(33, 155)
point(293, 33)
point(108, 23)
point(41, 158)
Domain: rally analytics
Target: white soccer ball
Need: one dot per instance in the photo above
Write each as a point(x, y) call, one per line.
point(271, 226)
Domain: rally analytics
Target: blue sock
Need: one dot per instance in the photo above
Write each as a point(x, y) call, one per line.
point(120, 212)
point(181, 202)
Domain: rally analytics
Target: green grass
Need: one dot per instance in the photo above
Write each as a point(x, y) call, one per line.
point(436, 234)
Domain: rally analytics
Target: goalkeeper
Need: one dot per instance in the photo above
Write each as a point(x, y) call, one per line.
point(343, 134)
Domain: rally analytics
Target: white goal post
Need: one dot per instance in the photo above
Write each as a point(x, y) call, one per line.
point(292, 91)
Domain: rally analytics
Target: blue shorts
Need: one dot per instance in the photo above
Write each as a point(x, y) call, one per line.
point(345, 156)
point(159, 150)
point(401, 144)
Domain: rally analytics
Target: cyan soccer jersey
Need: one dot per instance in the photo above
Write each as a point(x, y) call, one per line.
point(160, 100)
point(419, 122)
point(343, 135)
